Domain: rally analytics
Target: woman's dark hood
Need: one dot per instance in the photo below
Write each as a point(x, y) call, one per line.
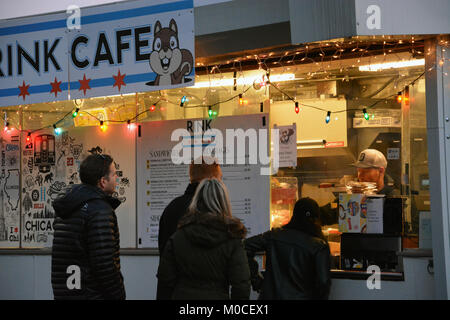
point(210, 230)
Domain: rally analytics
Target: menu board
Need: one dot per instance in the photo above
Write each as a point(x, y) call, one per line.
point(160, 179)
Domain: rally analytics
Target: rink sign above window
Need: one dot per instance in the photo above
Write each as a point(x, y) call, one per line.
point(126, 47)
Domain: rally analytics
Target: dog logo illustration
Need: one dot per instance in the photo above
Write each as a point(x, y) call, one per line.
point(167, 60)
point(285, 135)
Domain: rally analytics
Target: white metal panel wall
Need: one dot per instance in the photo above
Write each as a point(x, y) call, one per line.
point(438, 124)
point(28, 277)
point(239, 14)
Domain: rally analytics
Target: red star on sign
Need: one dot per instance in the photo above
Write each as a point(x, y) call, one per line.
point(84, 84)
point(119, 80)
point(55, 87)
point(24, 90)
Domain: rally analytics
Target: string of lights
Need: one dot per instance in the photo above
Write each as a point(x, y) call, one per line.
point(213, 114)
point(399, 96)
point(320, 50)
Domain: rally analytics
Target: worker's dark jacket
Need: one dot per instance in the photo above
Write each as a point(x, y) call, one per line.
point(86, 239)
point(203, 259)
point(297, 265)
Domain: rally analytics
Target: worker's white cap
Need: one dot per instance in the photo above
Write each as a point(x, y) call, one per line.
point(371, 158)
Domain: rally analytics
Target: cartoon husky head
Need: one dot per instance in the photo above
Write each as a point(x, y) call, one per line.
point(166, 56)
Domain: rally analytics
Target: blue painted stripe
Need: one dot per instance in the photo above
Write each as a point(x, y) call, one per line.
point(9, 92)
point(198, 145)
point(200, 136)
point(75, 85)
point(39, 89)
point(109, 81)
point(101, 17)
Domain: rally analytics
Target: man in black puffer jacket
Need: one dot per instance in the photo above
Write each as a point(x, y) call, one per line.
point(86, 245)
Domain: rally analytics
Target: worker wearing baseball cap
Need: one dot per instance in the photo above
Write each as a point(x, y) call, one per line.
point(371, 166)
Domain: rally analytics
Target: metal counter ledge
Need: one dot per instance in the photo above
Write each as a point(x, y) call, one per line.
point(363, 275)
point(388, 276)
point(335, 273)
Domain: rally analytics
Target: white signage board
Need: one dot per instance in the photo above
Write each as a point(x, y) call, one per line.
point(287, 145)
point(159, 180)
point(125, 47)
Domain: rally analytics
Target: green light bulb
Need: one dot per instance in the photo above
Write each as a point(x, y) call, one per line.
point(366, 115)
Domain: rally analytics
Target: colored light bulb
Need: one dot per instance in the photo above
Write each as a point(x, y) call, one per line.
point(57, 130)
point(327, 119)
point(103, 126)
point(366, 115)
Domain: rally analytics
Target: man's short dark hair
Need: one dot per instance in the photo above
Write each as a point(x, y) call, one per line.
point(94, 167)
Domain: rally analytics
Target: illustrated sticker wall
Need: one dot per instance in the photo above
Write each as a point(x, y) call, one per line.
point(118, 142)
point(51, 163)
point(9, 189)
point(38, 176)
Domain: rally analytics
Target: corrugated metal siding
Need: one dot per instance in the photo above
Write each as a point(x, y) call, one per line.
point(315, 20)
point(239, 14)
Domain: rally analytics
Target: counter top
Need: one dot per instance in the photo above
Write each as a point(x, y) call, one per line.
point(335, 273)
point(362, 275)
point(416, 253)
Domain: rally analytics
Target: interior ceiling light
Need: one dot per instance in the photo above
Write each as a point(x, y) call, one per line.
point(393, 65)
point(243, 81)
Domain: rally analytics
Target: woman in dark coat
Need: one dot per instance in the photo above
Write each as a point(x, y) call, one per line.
point(206, 256)
point(297, 257)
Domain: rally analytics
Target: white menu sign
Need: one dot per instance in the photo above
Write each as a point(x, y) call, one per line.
point(159, 180)
point(287, 145)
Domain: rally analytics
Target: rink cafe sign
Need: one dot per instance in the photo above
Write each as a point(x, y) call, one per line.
point(126, 47)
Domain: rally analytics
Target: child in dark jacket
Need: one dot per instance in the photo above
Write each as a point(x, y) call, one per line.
point(297, 257)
